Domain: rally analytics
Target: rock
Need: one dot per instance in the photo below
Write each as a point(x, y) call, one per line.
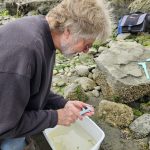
point(143, 143)
point(97, 88)
point(2, 6)
point(61, 71)
point(24, 6)
point(145, 107)
point(101, 49)
point(123, 36)
point(1, 18)
point(141, 126)
point(82, 70)
point(91, 67)
point(54, 84)
point(75, 92)
point(140, 5)
point(92, 50)
point(115, 114)
point(66, 69)
point(55, 72)
point(61, 83)
point(43, 9)
point(114, 141)
point(86, 59)
point(6, 19)
point(11, 7)
point(95, 93)
point(119, 73)
point(52, 4)
point(40, 142)
point(90, 76)
point(31, 13)
point(86, 83)
point(120, 8)
point(69, 74)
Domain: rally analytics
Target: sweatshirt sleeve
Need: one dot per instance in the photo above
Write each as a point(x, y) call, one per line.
point(55, 101)
point(14, 120)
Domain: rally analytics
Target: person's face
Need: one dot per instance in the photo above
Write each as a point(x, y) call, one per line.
point(69, 46)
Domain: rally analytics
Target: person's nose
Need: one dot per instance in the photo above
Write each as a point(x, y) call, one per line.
point(86, 49)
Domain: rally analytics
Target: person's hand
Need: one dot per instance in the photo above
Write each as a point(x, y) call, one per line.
point(66, 117)
point(71, 112)
point(76, 106)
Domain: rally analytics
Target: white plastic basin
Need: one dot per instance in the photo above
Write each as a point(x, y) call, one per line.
point(82, 135)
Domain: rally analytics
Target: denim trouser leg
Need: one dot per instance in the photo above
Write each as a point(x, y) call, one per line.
point(13, 144)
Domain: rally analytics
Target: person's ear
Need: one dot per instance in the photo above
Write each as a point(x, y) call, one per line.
point(66, 33)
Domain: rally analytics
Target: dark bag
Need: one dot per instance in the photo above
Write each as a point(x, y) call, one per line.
point(134, 23)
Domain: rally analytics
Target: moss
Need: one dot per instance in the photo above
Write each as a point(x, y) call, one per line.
point(148, 103)
point(137, 112)
point(80, 95)
point(96, 44)
point(132, 36)
point(86, 59)
point(61, 66)
point(114, 34)
point(4, 13)
point(59, 90)
point(116, 98)
point(143, 38)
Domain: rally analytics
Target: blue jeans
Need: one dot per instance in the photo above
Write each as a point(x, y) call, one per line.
point(13, 144)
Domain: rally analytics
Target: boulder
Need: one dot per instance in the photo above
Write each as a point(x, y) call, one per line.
point(120, 76)
point(82, 70)
point(75, 92)
point(141, 126)
point(116, 114)
point(86, 83)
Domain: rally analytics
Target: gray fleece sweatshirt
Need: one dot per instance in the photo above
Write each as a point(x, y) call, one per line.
point(27, 56)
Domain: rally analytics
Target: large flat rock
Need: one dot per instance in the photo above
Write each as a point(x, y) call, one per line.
point(120, 75)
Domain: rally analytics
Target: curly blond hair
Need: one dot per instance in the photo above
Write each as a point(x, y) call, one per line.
point(85, 18)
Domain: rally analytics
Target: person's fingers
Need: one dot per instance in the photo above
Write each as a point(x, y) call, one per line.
point(76, 112)
point(79, 104)
point(91, 108)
